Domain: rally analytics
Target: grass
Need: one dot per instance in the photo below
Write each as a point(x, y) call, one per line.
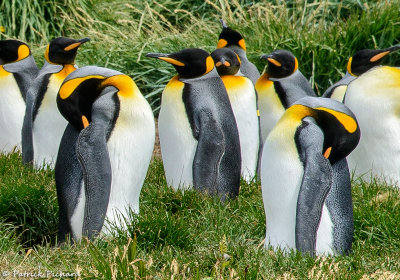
point(188, 235)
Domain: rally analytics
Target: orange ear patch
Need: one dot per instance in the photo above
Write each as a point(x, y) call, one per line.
point(242, 44)
point(222, 43)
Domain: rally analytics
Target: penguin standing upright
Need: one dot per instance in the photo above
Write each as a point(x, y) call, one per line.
point(17, 70)
point(198, 133)
point(233, 40)
point(243, 101)
point(43, 125)
point(279, 87)
point(374, 97)
point(359, 63)
point(305, 179)
point(104, 153)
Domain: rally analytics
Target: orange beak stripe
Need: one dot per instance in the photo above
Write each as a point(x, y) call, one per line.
point(172, 61)
point(379, 56)
point(218, 64)
point(85, 121)
point(328, 152)
point(72, 46)
point(227, 64)
point(274, 62)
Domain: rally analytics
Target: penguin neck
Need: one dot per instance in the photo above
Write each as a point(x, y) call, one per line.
point(212, 74)
point(239, 51)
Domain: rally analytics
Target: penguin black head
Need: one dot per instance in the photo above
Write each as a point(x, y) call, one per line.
point(226, 61)
point(13, 51)
point(281, 63)
point(366, 59)
point(229, 37)
point(189, 63)
point(63, 50)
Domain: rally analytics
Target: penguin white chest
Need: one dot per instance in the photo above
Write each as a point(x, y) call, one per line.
point(48, 127)
point(130, 148)
point(178, 146)
point(281, 176)
point(12, 111)
point(269, 104)
point(375, 100)
point(243, 101)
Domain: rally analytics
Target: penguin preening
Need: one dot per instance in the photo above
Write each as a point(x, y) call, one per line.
point(305, 179)
point(242, 97)
point(279, 87)
point(104, 153)
point(197, 128)
point(43, 125)
point(374, 97)
point(17, 70)
point(359, 63)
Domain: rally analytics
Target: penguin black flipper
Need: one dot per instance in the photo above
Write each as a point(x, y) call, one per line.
point(316, 183)
point(68, 176)
point(33, 100)
point(93, 155)
point(210, 149)
point(340, 206)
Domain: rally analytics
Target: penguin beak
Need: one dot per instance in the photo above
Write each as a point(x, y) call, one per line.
point(165, 57)
point(383, 53)
point(77, 44)
point(223, 23)
point(271, 60)
point(222, 62)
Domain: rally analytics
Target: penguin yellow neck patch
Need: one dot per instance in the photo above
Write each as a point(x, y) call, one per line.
point(349, 66)
point(68, 87)
point(296, 64)
point(348, 122)
point(46, 54)
point(3, 73)
point(67, 69)
point(222, 43)
point(85, 121)
point(123, 83)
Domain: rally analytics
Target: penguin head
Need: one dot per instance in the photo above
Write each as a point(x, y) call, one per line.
point(366, 59)
point(63, 50)
point(82, 87)
point(337, 122)
point(230, 37)
point(189, 63)
point(281, 63)
point(13, 51)
point(226, 61)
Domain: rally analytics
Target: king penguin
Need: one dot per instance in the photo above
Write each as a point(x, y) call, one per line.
point(43, 125)
point(17, 70)
point(374, 97)
point(229, 38)
point(104, 152)
point(305, 178)
point(279, 87)
point(197, 128)
point(359, 63)
point(243, 101)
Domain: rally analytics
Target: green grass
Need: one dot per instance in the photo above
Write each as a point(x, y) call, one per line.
point(188, 235)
